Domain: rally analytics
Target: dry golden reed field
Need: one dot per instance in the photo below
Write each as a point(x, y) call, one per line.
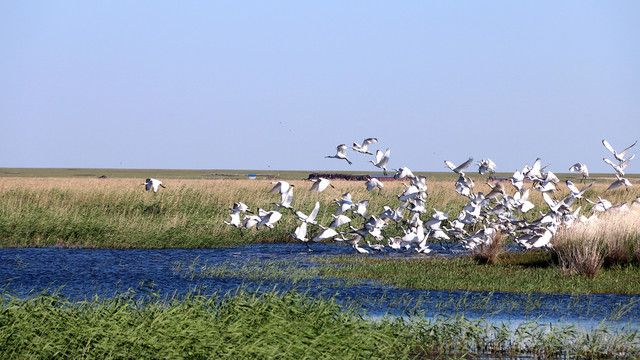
point(117, 212)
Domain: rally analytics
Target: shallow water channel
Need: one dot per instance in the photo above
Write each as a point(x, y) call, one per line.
point(82, 273)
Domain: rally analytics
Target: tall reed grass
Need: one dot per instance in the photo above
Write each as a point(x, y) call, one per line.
point(487, 253)
point(610, 239)
point(118, 213)
point(272, 324)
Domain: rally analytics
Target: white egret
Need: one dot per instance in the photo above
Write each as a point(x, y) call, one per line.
point(464, 185)
point(354, 243)
point(341, 153)
point(376, 247)
point(517, 180)
point(381, 160)
point(581, 168)
point(326, 233)
point(151, 183)
point(460, 168)
point(235, 220)
point(339, 220)
point(411, 192)
point(403, 172)
point(577, 194)
point(311, 217)
point(619, 168)
point(534, 172)
point(240, 207)
point(373, 183)
point(620, 182)
point(250, 221)
point(270, 219)
point(486, 165)
point(320, 184)
point(280, 186)
point(300, 234)
point(345, 203)
point(287, 198)
point(496, 189)
point(365, 146)
point(618, 155)
point(361, 208)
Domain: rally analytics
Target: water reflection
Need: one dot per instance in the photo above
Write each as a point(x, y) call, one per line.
point(82, 273)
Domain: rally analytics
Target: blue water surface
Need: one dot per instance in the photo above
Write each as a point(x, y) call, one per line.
point(82, 273)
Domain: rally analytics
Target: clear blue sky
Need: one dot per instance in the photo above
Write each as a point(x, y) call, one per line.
point(278, 84)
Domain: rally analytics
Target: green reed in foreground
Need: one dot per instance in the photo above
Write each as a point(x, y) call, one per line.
point(272, 324)
point(291, 273)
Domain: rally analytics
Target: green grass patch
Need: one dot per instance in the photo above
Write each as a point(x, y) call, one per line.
point(522, 272)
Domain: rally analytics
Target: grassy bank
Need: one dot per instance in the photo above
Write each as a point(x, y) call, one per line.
point(273, 325)
point(526, 272)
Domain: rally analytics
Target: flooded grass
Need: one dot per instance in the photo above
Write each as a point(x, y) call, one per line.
point(273, 324)
point(521, 272)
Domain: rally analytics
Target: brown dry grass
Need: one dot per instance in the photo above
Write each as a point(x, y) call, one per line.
point(613, 238)
point(488, 253)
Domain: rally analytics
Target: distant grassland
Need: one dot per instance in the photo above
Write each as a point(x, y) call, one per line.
point(164, 174)
point(116, 212)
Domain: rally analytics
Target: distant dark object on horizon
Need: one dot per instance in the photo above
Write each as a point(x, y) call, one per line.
point(350, 177)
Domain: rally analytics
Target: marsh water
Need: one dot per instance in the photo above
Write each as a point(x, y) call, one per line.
point(82, 273)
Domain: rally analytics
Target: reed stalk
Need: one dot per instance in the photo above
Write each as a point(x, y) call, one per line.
point(610, 239)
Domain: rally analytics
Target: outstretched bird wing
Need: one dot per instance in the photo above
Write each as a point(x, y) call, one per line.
point(627, 149)
point(314, 212)
point(606, 144)
point(572, 187)
point(463, 166)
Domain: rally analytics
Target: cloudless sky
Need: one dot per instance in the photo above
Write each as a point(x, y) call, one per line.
point(278, 84)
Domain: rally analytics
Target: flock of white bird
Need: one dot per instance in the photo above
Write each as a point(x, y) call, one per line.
point(483, 216)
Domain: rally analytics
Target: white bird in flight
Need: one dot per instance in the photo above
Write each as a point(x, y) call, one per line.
point(281, 186)
point(486, 165)
point(269, 219)
point(577, 194)
point(620, 182)
point(381, 160)
point(361, 208)
point(339, 220)
point(151, 183)
point(460, 168)
point(619, 168)
point(320, 184)
point(311, 218)
point(581, 168)
point(373, 183)
point(618, 155)
point(240, 207)
point(341, 153)
point(286, 198)
point(326, 233)
point(365, 146)
point(300, 234)
point(403, 172)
